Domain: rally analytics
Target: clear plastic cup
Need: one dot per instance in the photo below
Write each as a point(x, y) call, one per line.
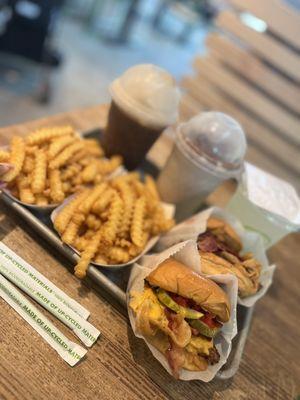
point(208, 150)
point(267, 205)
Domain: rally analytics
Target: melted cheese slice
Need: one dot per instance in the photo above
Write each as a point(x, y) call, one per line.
point(199, 345)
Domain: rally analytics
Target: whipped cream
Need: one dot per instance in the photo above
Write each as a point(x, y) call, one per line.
point(272, 194)
point(147, 93)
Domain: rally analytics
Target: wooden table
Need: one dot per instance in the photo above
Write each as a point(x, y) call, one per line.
point(119, 366)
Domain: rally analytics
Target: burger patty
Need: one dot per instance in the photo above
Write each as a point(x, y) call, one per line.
point(214, 356)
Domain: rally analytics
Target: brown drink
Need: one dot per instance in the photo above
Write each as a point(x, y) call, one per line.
point(144, 102)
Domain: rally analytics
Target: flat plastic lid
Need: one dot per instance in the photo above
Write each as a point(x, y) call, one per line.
point(214, 139)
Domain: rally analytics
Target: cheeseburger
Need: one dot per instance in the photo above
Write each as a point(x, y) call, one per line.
point(180, 312)
point(220, 250)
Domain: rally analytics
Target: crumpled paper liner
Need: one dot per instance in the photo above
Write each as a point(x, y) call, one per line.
point(169, 210)
point(252, 242)
point(187, 253)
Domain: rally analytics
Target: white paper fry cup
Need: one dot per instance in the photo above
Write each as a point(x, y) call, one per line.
point(169, 210)
point(187, 253)
point(71, 352)
point(252, 242)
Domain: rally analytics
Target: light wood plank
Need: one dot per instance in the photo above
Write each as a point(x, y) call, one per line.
point(274, 147)
point(280, 18)
point(241, 91)
point(267, 47)
point(253, 69)
point(188, 108)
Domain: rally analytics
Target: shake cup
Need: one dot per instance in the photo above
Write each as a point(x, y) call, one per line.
point(208, 150)
point(266, 204)
point(144, 102)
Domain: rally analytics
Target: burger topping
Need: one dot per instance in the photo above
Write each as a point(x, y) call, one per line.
point(167, 300)
point(203, 328)
point(206, 324)
point(209, 243)
point(213, 356)
point(175, 357)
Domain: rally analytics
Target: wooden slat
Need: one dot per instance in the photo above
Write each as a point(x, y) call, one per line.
point(254, 154)
point(274, 147)
point(255, 101)
point(267, 47)
point(280, 18)
point(253, 69)
point(188, 108)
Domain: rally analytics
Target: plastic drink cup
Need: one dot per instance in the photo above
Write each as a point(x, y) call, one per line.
point(267, 205)
point(208, 150)
point(144, 102)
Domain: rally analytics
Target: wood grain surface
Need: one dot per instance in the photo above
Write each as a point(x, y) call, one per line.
point(119, 366)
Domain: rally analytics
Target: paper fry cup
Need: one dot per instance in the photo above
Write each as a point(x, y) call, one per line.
point(252, 242)
point(169, 210)
point(187, 253)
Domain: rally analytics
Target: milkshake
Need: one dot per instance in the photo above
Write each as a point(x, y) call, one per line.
point(208, 150)
point(144, 102)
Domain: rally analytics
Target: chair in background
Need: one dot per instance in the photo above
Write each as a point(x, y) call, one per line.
point(27, 33)
point(252, 71)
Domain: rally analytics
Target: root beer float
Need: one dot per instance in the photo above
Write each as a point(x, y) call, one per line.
point(144, 102)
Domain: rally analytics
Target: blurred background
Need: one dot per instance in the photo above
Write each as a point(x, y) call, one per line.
point(241, 57)
point(56, 55)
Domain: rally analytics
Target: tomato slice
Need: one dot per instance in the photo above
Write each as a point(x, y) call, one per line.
point(210, 321)
point(182, 301)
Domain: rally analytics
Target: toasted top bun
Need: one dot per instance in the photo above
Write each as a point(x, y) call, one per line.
point(175, 277)
point(217, 225)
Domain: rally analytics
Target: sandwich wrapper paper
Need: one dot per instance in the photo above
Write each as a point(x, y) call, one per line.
point(252, 242)
point(169, 210)
point(187, 253)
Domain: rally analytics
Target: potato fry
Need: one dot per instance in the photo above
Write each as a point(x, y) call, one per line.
point(28, 165)
point(128, 197)
point(39, 173)
point(71, 171)
point(4, 156)
point(45, 134)
point(87, 255)
point(63, 157)
point(56, 189)
point(118, 255)
point(93, 222)
point(86, 206)
point(70, 233)
point(41, 200)
point(100, 205)
point(65, 215)
point(90, 172)
point(112, 225)
point(16, 159)
point(136, 231)
point(105, 167)
point(26, 195)
point(58, 145)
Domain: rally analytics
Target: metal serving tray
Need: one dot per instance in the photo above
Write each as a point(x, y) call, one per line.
point(115, 281)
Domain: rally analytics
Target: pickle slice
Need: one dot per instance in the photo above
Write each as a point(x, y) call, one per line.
point(170, 303)
point(204, 329)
